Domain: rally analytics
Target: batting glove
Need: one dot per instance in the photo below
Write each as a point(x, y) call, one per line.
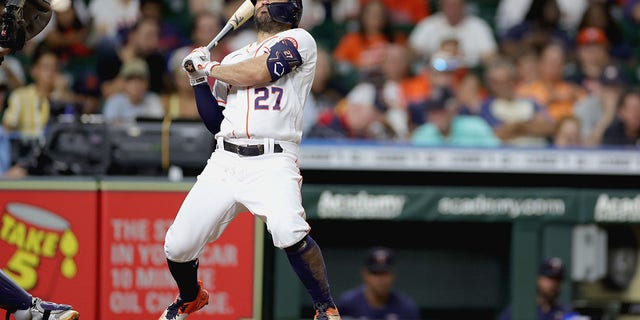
point(195, 63)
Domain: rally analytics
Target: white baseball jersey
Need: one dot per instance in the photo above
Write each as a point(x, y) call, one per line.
point(267, 185)
point(275, 109)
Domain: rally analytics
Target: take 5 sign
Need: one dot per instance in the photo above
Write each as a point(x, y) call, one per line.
point(48, 240)
point(135, 282)
point(99, 247)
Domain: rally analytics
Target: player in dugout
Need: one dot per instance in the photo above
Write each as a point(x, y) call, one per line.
point(548, 283)
point(375, 298)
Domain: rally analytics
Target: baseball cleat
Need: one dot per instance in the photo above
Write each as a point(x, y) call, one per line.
point(326, 312)
point(179, 309)
point(44, 310)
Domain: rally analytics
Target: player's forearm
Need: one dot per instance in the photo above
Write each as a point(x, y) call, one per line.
point(244, 74)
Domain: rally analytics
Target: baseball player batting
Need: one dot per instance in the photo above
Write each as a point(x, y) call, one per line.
point(255, 112)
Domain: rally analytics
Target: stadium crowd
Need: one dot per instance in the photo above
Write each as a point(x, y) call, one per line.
point(526, 73)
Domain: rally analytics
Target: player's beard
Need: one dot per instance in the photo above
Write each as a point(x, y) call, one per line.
point(264, 23)
point(549, 296)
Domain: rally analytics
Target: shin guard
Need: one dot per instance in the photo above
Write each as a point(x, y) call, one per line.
point(306, 259)
point(12, 296)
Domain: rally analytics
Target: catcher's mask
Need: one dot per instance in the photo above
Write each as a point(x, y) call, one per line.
point(289, 12)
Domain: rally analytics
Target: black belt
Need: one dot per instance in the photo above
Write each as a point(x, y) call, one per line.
point(249, 150)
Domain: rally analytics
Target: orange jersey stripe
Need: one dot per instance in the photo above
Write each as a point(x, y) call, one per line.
point(246, 124)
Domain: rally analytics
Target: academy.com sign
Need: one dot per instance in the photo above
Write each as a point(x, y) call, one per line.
point(493, 206)
point(361, 205)
point(419, 203)
point(622, 209)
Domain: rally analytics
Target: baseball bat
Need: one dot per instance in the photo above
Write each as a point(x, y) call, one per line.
point(239, 17)
point(242, 15)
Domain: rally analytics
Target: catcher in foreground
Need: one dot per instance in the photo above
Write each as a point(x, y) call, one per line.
point(21, 20)
point(24, 306)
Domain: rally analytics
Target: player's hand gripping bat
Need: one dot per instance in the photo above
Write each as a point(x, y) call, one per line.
point(242, 15)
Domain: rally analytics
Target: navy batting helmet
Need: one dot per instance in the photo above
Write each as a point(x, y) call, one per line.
point(289, 12)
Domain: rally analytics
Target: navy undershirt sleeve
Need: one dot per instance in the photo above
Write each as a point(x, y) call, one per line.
point(208, 107)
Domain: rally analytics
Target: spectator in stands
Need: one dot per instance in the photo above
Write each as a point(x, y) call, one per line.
point(541, 27)
point(206, 23)
point(515, 120)
point(445, 126)
point(630, 23)
point(363, 50)
point(86, 91)
point(352, 118)
point(450, 45)
point(29, 107)
point(12, 72)
point(470, 94)
point(443, 68)
point(567, 133)
point(122, 109)
point(196, 6)
point(324, 95)
point(28, 110)
point(592, 57)
point(512, 12)
point(110, 16)
point(407, 12)
point(395, 72)
point(170, 37)
point(527, 67)
point(597, 110)
point(625, 128)
point(344, 11)
point(550, 276)
point(476, 38)
point(70, 34)
point(62, 99)
point(598, 14)
point(315, 13)
point(376, 298)
point(142, 42)
point(554, 93)
point(439, 76)
point(56, 154)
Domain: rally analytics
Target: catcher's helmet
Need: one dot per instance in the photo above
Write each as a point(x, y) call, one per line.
point(289, 12)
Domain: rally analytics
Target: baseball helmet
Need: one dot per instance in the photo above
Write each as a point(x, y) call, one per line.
point(289, 12)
